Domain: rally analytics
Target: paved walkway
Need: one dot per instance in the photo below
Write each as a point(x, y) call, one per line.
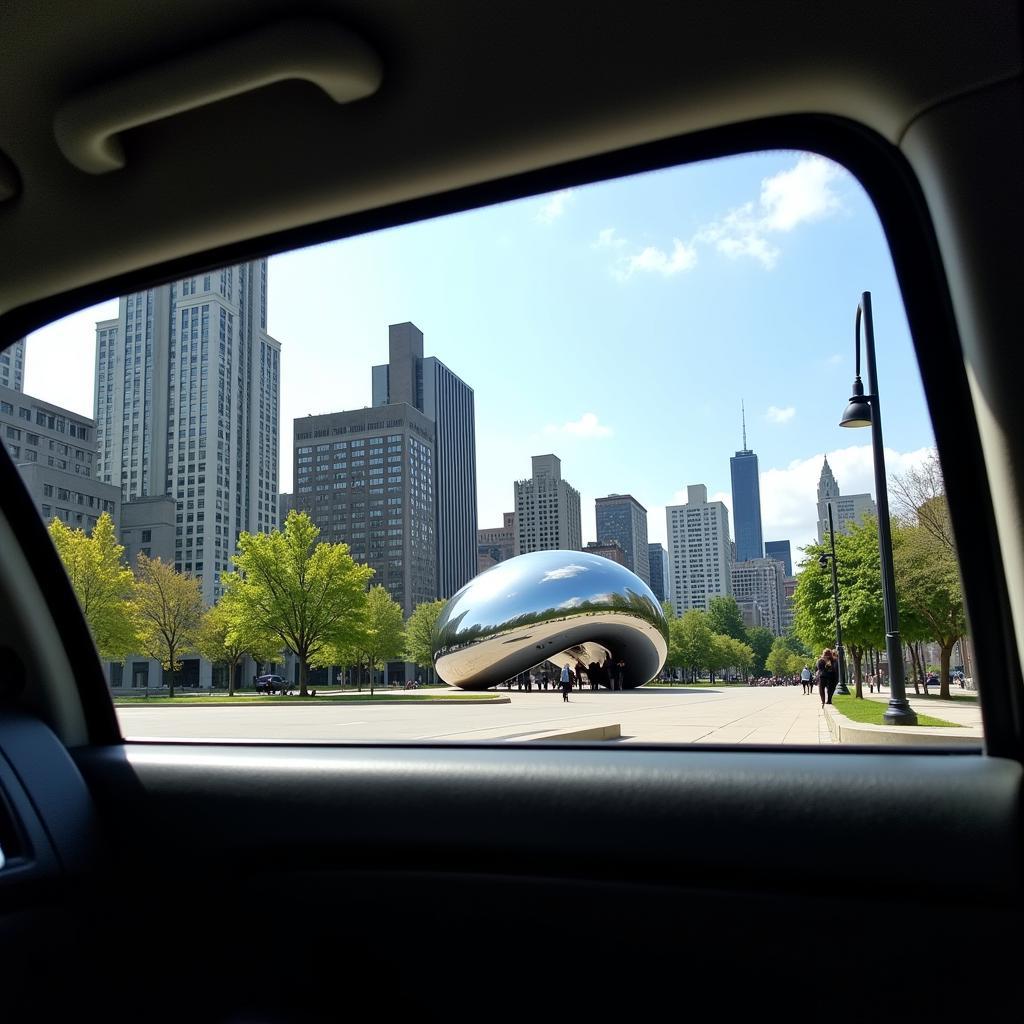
point(729, 715)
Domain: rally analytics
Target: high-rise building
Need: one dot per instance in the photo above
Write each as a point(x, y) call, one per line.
point(54, 451)
point(846, 508)
point(699, 550)
point(657, 559)
point(621, 518)
point(429, 386)
point(366, 478)
point(496, 543)
point(746, 501)
point(789, 604)
point(547, 510)
point(187, 405)
point(610, 549)
point(761, 580)
point(781, 552)
point(12, 366)
point(285, 503)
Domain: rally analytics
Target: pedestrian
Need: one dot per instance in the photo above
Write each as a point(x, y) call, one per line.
point(566, 681)
point(805, 679)
point(828, 675)
point(620, 675)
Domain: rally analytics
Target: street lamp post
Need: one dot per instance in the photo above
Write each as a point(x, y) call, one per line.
point(863, 411)
point(842, 687)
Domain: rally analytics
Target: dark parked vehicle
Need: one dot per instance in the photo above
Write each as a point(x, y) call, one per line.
point(271, 684)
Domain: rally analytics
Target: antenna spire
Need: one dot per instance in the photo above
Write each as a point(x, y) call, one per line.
point(743, 410)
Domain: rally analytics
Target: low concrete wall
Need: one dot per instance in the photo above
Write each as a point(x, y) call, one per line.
point(844, 730)
point(611, 731)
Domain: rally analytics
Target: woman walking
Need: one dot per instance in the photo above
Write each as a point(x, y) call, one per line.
point(566, 681)
point(828, 675)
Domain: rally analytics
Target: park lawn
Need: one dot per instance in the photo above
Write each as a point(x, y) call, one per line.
point(871, 711)
point(349, 698)
point(968, 698)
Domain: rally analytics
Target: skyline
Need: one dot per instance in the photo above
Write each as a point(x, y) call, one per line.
point(601, 324)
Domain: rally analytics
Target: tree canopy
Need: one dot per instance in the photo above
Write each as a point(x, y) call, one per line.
point(383, 631)
point(419, 632)
point(168, 609)
point(724, 616)
point(103, 584)
point(310, 595)
point(760, 640)
point(225, 636)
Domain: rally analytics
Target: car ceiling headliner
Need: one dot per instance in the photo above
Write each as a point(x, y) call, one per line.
point(472, 92)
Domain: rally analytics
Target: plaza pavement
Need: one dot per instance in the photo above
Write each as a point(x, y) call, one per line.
point(729, 715)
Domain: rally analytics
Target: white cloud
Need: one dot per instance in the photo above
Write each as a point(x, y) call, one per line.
point(564, 572)
point(555, 206)
point(586, 426)
point(607, 239)
point(802, 194)
point(777, 415)
point(657, 261)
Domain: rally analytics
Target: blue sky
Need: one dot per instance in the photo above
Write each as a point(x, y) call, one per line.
point(617, 325)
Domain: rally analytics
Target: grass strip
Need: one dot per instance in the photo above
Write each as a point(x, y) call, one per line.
point(870, 712)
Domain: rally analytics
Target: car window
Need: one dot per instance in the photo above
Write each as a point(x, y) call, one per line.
point(569, 467)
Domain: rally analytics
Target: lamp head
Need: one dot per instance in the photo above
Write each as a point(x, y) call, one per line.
point(858, 409)
point(823, 560)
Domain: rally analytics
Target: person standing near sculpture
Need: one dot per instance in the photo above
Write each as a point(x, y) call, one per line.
point(805, 678)
point(566, 681)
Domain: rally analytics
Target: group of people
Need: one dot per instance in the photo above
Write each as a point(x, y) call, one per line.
point(608, 674)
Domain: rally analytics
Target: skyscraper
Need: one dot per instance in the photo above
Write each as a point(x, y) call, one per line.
point(429, 386)
point(547, 510)
point(187, 405)
point(846, 508)
point(621, 518)
point(657, 558)
point(12, 366)
point(761, 580)
point(780, 551)
point(746, 501)
point(699, 550)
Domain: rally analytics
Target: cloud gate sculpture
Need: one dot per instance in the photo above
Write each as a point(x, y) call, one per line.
point(566, 607)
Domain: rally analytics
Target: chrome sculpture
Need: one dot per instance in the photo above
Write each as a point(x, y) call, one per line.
point(566, 607)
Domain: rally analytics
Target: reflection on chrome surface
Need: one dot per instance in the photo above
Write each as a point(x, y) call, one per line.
point(566, 607)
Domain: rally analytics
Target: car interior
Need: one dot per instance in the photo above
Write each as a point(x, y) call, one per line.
point(281, 881)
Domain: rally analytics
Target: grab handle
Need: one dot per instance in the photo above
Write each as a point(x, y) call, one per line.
point(336, 60)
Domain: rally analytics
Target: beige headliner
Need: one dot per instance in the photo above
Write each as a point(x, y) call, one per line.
point(472, 91)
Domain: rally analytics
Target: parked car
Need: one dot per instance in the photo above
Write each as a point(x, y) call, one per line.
point(271, 684)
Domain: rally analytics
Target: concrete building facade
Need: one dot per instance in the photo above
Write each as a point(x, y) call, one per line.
point(622, 519)
point(54, 450)
point(547, 509)
point(846, 508)
point(761, 580)
point(699, 550)
point(187, 405)
point(496, 543)
point(429, 386)
point(366, 478)
point(657, 559)
point(148, 527)
point(12, 366)
point(610, 549)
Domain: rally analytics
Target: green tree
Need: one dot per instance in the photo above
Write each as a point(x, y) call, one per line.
point(690, 642)
point(724, 616)
point(310, 595)
point(928, 582)
point(383, 632)
point(168, 608)
point(760, 640)
point(225, 636)
point(102, 583)
point(781, 660)
point(419, 634)
point(739, 655)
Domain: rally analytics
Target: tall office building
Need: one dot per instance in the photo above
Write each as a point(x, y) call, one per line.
point(746, 501)
point(547, 510)
point(12, 366)
point(187, 405)
point(846, 508)
point(366, 478)
point(621, 518)
point(496, 543)
point(780, 551)
point(429, 386)
point(657, 559)
point(699, 550)
point(761, 580)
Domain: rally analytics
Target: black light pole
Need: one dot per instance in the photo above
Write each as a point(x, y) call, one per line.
point(863, 411)
point(842, 687)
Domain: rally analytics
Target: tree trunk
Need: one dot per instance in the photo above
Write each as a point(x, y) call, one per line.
point(857, 653)
point(371, 678)
point(945, 650)
point(303, 677)
point(170, 676)
point(231, 677)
